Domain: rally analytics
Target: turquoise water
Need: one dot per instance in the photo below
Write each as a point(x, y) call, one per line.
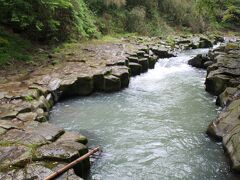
point(155, 129)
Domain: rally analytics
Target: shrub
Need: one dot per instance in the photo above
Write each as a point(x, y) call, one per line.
point(47, 19)
point(136, 20)
point(232, 15)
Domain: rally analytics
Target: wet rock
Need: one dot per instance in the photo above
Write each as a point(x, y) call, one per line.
point(207, 64)
point(15, 155)
point(111, 83)
point(205, 43)
point(73, 137)
point(226, 121)
point(98, 81)
point(144, 63)
point(61, 151)
point(123, 74)
point(152, 61)
point(198, 61)
point(228, 96)
point(231, 143)
point(136, 69)
point(216, 83)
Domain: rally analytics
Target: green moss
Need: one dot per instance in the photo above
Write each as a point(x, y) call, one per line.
point(29, 98)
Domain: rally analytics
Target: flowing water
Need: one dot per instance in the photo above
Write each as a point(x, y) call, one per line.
point(155, 129)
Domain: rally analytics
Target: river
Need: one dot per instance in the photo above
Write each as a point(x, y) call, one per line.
point(155, 129)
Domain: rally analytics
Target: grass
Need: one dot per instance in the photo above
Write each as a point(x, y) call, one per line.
point(13, 48)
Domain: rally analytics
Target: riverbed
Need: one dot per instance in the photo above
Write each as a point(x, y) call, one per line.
point(155, 129)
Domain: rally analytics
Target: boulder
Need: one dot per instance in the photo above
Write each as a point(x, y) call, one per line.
point(136, 69)
point(216, 82)
point(205, 43)
point(198, 61)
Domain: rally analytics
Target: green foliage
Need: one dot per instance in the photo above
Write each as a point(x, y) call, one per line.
point(13, 47)
point(232, 15)
point(48, 19)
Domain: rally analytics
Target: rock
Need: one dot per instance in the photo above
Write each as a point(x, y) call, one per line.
point(226, 121)
point(216, 83)
point(29, 116)
point(15, 174)
point(98, 81)
point(14, 155)
point(231, 143)
point(122, 72)
point(152, 61)
point(6, 124)
point(161, 52)
point(228, 96)
point(144, 63)
point(34, 134)
point(36, 171)
point(2, 131)
point(207, 64)
point(76, 86)
point(49, 131)
point(22, 137)
point(41, 115)
point(65, 151)
point(198, 61)
point(140, 54)
point(205, 43)
point(136, 69)
point(73, 137)
point(111, 83)
point(133, 59)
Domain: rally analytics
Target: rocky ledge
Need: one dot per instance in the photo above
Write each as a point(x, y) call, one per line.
point(223, 81)
point(32, 148)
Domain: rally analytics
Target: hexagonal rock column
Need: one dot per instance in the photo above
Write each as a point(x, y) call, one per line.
point(111, 83)
point(76, 86)
point(144, 63)
point(136, 69)
point(122, 72)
